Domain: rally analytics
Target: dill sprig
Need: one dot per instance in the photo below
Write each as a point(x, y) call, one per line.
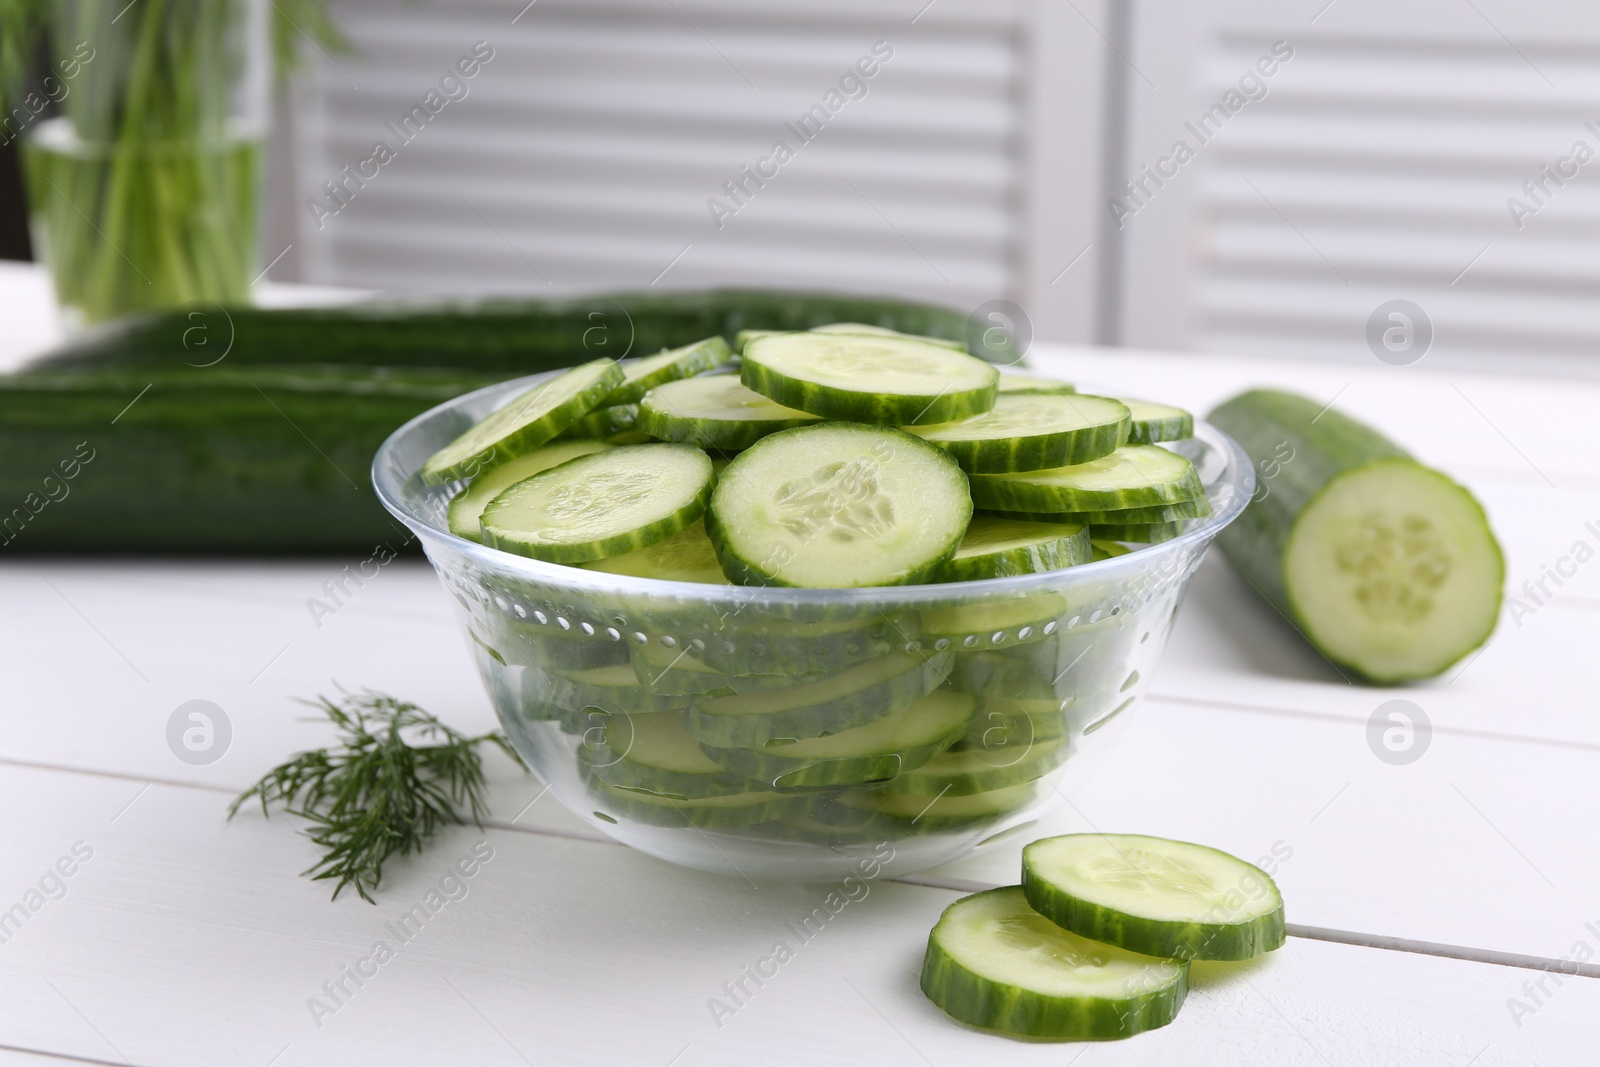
point(395, 777)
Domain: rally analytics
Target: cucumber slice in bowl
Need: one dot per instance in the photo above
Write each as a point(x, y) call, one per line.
point(1014, 384)
point(525, 423)
point(838, 506)
point(1143, 533)
point(884, 380)
point(1029, 433)
point(862, 329)
point(717, 412)
point(642, 375)
point(617, 425)
point(1000, 548)
point(1152, 895)
point(602, 504)
point(466, 507)
point(1134, 476)
point(654, 752)
point(1007, 762)
point(686, 556)
point(1157, 422)
point(995, 963)
point(1198, 508)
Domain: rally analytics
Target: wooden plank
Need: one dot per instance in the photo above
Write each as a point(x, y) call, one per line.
point(184, 941)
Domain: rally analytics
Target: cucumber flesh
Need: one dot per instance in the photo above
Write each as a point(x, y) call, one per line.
point(1134, 476)
point(1029, 433)
point(715, 411)
point(913, 811)
point(617, 425)
point(1197, 508)
point(643, 375)
point(999, 548)
point(838, 506)
point(466, 507)
point(995, 963)
point(1387, 567)
point(1107, 549)
point(1144, 533)
point(862, 329)
point(884, 380)
point(654, 752)
point(981, 769)
point(1012, 383)
point(686, 556)
point(1157, 422)
point(1155, 896)
point(525, 423)
point(602, 504)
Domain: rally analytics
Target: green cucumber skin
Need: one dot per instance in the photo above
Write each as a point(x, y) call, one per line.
point(745, 651)
point(990, 1005)
point(1041, 452)
point(1154, 937)
point(698, 358)
point(1197, 508)
point(1325, 444)
point(713, 435)
point(605, 424)
point(1037, 758)
point(675, 811)
point(1069, 550)
point(999, 493)
point(207, 461)
point(501, 336)
point(871, 408)
point(781, 774)
point(1154, 431)
point(1143, 533)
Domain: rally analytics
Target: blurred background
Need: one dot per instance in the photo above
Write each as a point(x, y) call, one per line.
point(1337, 155)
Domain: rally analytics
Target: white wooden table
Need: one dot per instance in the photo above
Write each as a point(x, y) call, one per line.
point(1427, 899)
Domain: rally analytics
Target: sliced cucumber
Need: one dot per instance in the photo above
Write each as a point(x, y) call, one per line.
point(913, 813)
point(744, 337)
point(617, 425)
point(1152, 895)
point(525, 423)
point(999, 548)
point(1144, 533)
point(1157, 422)
point(678, 670)
point(838, 506)
point(877, 751)
point(994, 622)
point(668, 365)
point(852, 697)
point(716, 412)
point(995, 963)
point(724, 812)
point(1014, 384)
point(1134, 476)
point(1005, 725)
point(981, 769)
point(861, 329)
point(1198, 508)
point(466, 507)
point(783, 646)
point(1108, 549)
point(1386, 566)
point(885, 380)
point(656, 753)
point(1029, 433)
point(686, 556)
point(602, 504)
point(612, 689)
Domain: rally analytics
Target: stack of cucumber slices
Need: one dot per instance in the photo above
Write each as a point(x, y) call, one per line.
point(845, 456)
point(1096, 941)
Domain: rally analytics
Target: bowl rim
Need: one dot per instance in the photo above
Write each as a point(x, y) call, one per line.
point(1238, 475)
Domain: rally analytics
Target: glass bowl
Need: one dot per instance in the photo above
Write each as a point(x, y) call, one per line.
point(804, 734)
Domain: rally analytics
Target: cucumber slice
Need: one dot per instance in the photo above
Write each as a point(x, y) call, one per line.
point(1157, 422)
point(903, 813)
point(676, 670)
point(1134, 476)
point(1144, 533)
point(1198, 508)
point(724, 812)
point(995, 623)
point(1107, 549)
point(525, 423)
point(1006, 725)
point(686, 556)
point(1386, 566)
point(875, 752)
point(602, 504)
point(885, 380)
point(999, 548)
point(466, 507)
point(716, 412)
point(531, 645)
point(668, 365)
point(1152, 895)
point(744, 337)
point(783, 646)
point(1029, 433)
point(853, 697)
point(612, 689)
point(1014, 384)
point(861, 329)
point(617, 425)
point(995, 963)
point(982, 769)
point(838, 506)
point(655, 753)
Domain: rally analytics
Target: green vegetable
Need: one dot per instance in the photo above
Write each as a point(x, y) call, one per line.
point(1157, 422)
point(1386, 566)
point(671, 365)
point(1024, 432)
point(466, 507)
point(999, 548)
point(717, 412)
point(686, 556)
point(394, 779)
point(1134, 476)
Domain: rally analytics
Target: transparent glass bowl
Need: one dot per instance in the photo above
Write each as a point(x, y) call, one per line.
point(675, 716)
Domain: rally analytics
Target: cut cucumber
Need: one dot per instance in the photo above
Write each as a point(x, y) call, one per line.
point(1144, 533)
point(980, 769)
point(855, 696)
point(613, 689)
point(1108, 549)
point(716, 412)
point(1014, 384)
point(992, 623)
point(724, 812)
point(677, 670)
point(995, 963)
point(1386, 566)
point(877, 751)
point(1004, 725)
point(602, 504)
point(617, 425)
point(912, 813)
point(643, 375)
point(1134, 476)
point(656, 753)
point(466, 508)
point(885, 380)
point(744, 337)
point(1157, 422)
point(686, 556)
point(1029, 433)
point(1152, 895)
point(838, 506)
point(782, 646)
point(861, 329)
point(1000, 548)
point(525, 423)
point(1198, 508)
